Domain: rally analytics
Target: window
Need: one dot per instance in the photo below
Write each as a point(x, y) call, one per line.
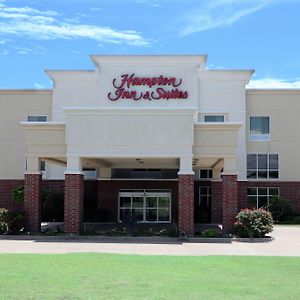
point(145, 173)
point(262, 166)
point(214, 118)
point(146, 206)
point(89, 172)
point(259, 128)
point(259, 196)
point(205, 174)
point(37, 119)
point(43, 166)
point(204, 196)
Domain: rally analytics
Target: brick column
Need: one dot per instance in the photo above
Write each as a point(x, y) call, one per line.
point(230, 201)
point(32, 202)
point(73, 211)
point(186, 204)
point(216, 201)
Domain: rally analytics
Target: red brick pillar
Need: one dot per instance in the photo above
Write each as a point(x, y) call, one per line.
point(216, 201)
point(230, 201)
point(186, 204)
point(73, 215)
point(32, 202)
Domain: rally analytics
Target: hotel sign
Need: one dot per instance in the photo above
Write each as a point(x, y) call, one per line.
point(157, 88)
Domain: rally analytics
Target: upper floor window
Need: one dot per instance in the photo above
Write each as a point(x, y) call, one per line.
point(214, 118)
point(262, 166)
point(37, 119)
point(259, 128)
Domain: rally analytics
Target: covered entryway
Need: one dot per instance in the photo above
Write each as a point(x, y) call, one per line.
point(145, 206)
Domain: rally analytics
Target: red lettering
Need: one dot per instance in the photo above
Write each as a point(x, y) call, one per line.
point(128, 81)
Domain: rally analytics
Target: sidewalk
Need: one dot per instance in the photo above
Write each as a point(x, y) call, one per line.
point(286, 243)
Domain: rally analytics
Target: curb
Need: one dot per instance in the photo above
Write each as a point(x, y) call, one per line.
point(125, 239)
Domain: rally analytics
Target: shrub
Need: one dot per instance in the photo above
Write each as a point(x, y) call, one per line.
point(11, 221)
point(3, 227)
point(3, 220)
point(210, 233)
point(15, 221)
point(115, 231)
point(172, 230)
point(254, 223)
point(280, 208)
point(292, 220)
point(18, 194)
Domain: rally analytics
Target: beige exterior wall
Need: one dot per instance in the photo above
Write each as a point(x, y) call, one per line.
point(15, 106)
point(283, 108)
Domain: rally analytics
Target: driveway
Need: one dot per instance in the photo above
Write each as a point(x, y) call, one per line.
point(286, 243)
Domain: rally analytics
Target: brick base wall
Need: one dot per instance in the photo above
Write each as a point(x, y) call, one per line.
point(32, 202)
point(288, 190)
point(73, 210)
point(186, 204)
point(230, 201)
point(216, 202)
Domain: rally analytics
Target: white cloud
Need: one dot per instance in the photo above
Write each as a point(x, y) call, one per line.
point(220, 13)
point(42, 25)
point(274, 83)
point(95, 8)
point(39, 86)
point(27, 10)
point(153, 3)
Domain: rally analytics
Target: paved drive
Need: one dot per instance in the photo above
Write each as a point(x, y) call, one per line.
point(286, 243)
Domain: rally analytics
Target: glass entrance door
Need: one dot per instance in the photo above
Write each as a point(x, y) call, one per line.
point(145, 206)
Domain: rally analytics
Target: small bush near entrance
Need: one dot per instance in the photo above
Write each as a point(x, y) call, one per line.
point(254, 223)
point(11, 221)
point(210, 233)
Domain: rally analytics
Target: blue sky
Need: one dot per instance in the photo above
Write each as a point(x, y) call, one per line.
point(235, 34)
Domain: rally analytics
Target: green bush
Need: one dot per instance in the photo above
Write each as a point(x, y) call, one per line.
point(11, 221)
point(292, 220)
point(280, 208)
point(18, 194)
point(210, 233)
point(172, 230)
point(3, 214)
point(254, 223)
point(3, 227)
point(15, 221)
point(3, 220)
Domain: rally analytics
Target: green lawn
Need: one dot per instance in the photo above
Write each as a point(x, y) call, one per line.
point(109, 276)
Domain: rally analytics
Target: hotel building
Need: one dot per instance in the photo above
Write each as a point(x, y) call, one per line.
point(158, 136)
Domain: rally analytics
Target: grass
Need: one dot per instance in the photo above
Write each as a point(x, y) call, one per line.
point(109, 276)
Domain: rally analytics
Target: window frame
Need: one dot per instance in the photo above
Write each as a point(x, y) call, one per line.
point(213, 115)
point(268, 195)
point(145, 194)
point(260, 137)
point(267, 170)
point(37, 116)
point(207, 195)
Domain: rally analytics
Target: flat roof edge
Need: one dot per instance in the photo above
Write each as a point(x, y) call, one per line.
point(26, 91)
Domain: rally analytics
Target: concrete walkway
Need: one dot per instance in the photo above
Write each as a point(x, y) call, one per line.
point(286, 243)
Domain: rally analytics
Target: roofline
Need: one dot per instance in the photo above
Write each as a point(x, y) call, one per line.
point(26, 91)
point(272, 91)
